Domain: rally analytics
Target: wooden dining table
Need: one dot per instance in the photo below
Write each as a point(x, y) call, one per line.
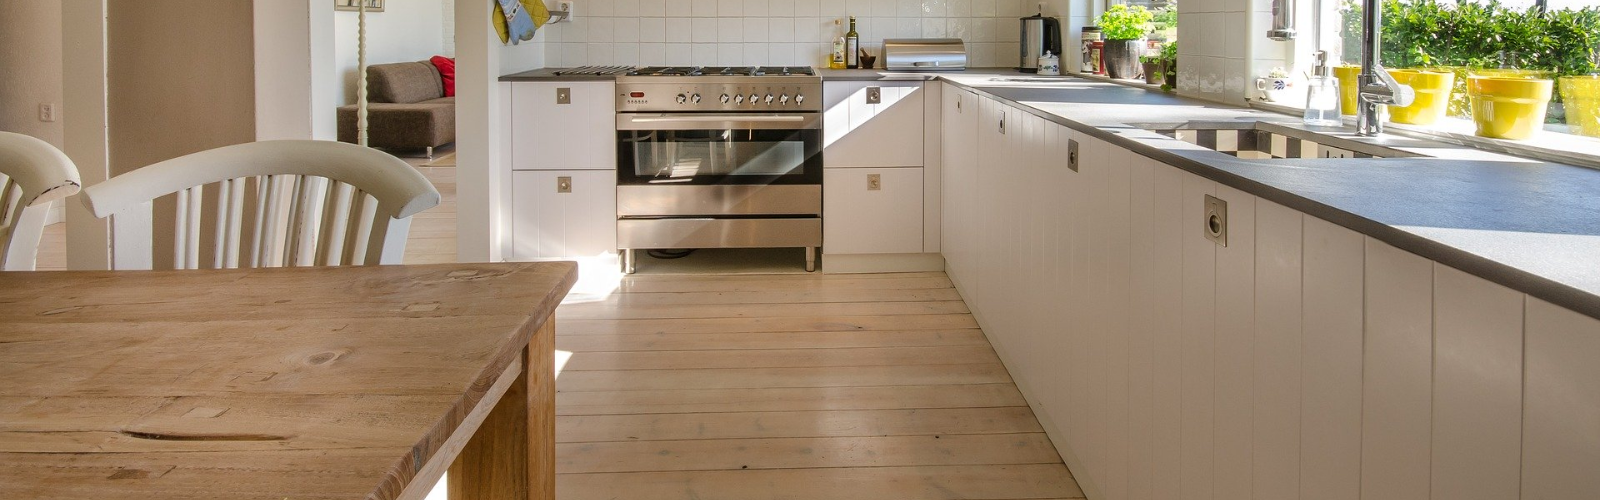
point(306, 383)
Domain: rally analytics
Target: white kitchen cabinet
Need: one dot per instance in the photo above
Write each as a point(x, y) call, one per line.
point(1397, 395)
point(859, 133)
point(550, 133)
point(872, 211)
point(1276, 351)
point(549, 224)
point(1330, 373)
point(1300, 360)
point(1561, 412)
point(1477, 388)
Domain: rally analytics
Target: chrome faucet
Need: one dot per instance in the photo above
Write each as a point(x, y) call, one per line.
point(1375, 86)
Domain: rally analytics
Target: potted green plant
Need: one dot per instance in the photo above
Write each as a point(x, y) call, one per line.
point(1169, 66)
point(1152, 69)
point(1124, 29)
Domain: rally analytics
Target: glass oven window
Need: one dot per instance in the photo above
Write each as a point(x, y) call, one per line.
point(703, 156)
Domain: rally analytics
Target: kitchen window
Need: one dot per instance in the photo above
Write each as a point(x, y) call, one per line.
point(1557, 41)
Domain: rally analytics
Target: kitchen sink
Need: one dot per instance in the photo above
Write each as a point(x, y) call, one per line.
point(1255, 140)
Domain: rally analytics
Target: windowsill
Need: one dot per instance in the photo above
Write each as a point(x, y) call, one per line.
point(1139, 84)
point(1547, 146)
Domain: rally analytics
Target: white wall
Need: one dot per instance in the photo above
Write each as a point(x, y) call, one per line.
point(407, 30)
point(30, 67)
point(296, 86)
point(778, 32)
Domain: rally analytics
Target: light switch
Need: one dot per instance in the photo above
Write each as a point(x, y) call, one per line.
point(563, 95)
point(563, 185)
point(874, 182)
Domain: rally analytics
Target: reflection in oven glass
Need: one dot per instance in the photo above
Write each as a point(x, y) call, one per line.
point(681, 156)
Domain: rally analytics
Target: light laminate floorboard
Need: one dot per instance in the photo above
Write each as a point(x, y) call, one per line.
point(792, 386)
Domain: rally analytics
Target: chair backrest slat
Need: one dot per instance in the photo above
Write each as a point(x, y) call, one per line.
point(276, 203)
point(335, 225)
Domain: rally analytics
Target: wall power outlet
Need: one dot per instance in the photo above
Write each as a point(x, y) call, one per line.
point(47, 112)
point(567, 6)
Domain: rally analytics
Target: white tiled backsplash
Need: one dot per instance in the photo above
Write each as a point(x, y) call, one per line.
point(776, 32)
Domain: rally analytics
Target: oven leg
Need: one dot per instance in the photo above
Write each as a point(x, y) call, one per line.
point(811, 259)
point(630, 261)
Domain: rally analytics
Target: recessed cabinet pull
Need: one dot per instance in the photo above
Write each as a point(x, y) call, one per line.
point(1002, 125)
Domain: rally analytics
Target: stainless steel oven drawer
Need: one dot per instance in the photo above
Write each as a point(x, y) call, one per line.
point(675, 201)
point(719, 233)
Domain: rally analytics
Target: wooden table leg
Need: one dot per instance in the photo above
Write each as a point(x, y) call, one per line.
point(513, 455)
point(541, 362)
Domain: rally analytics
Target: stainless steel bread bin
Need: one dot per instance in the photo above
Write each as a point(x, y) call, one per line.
point(925, 54)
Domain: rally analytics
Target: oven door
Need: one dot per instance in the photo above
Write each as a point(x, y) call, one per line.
point(690, 149)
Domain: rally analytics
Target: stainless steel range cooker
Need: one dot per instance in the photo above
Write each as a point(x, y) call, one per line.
point(719, 158)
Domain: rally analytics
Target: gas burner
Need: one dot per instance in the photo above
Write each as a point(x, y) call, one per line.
point(746, 71)
point(732, 71)
point(667, 71)
point(789, 71)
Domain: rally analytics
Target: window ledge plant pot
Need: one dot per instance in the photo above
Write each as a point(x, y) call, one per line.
point(1508, 107)
point(1122, 58)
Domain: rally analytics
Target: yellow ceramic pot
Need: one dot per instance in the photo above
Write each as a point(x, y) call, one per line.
point(1508, 108)
point(1348, 85)
point(1581, 95)
point(1433, 96)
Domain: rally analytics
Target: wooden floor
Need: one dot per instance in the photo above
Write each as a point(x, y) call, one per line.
point(750, 387)
point(791, 386)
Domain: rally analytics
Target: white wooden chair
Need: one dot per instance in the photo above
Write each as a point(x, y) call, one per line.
point(32, 174)
point(264, 204)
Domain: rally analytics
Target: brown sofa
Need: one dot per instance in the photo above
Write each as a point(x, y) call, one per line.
point(406, 109)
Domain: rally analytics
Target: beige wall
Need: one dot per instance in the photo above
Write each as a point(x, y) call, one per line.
point(181, 78)
point(30, 67)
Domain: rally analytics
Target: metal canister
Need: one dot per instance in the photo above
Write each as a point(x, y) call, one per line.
point(1091, 34)
point(1097, 58)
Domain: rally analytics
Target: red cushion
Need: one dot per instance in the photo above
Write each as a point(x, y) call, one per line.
point(447, 71)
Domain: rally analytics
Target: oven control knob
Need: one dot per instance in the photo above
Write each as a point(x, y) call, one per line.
point(726, 98)
point(696, 98)
point(738, 99)
point(769, 99)
point(754, 99)
point(683, 98)
point(784, 100)
point(799, 99)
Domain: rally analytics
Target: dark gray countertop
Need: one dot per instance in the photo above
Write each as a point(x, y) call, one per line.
point(1528, 225)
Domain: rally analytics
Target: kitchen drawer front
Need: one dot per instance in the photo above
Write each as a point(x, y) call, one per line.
point(549, 224)
point(547, 135)
point(863, 220)
point(859, 134)
point(719, 233)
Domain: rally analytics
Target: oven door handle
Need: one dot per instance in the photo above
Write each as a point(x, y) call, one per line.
point(716, 122)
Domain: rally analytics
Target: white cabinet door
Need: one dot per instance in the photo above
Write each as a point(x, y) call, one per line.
point(1477, 387)
point(857, 133)
point(1397, 374)
point(960, 152)
point(872, 211)
point(548, 134)
point(549, 224)
point(1561, 416)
